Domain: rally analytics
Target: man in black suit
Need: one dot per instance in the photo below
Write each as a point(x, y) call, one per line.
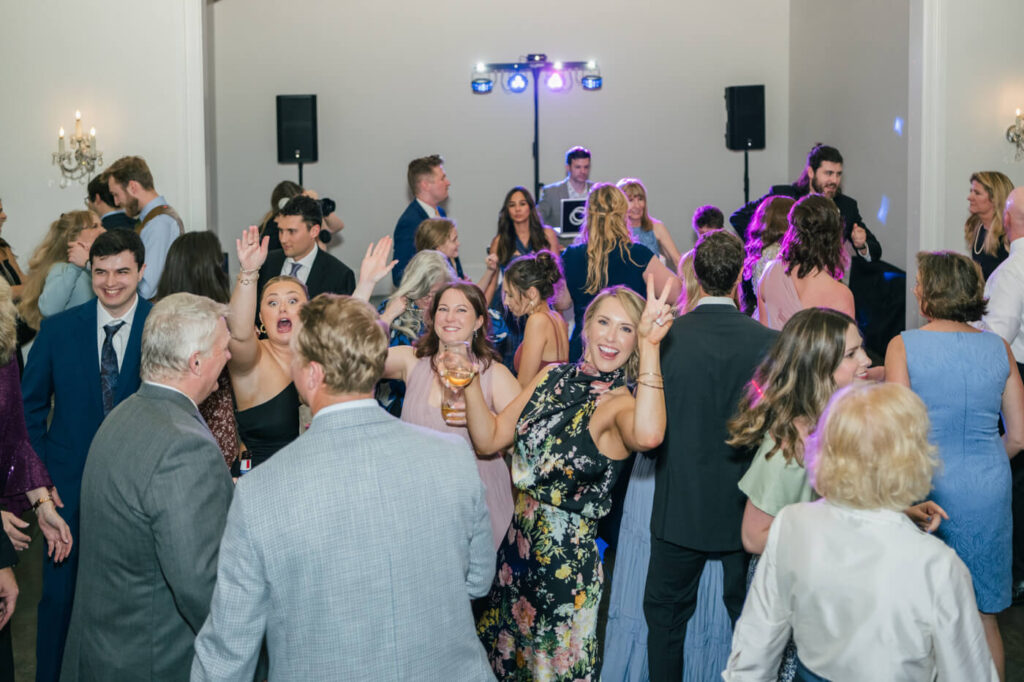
point(299, 256)
point(708, 356)
point(429, 185)
point(101, 202)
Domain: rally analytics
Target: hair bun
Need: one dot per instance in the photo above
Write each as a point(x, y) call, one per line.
point(549, 266)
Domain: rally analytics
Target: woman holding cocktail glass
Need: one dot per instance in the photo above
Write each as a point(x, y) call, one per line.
point(444, 360)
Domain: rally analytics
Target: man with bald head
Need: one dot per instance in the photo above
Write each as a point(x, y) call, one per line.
point(1005, 293)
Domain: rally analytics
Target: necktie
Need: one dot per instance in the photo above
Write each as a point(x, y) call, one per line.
point(295, 269)
point(108, 366)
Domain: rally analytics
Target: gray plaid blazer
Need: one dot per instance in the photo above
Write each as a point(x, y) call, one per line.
point(355, 551)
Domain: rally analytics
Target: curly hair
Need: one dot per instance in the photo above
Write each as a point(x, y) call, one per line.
point(950, 286)
point(814, 238)
point(604, 230)
point(52, 250)
point(793, 382)
point(871, 449)
point(768, 226)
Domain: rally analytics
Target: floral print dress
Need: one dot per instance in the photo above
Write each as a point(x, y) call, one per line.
point(540, 622)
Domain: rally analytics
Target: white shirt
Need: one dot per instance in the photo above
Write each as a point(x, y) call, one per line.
point(1005, 293)
point(305, 265)
point(573, 194)
point(347, 405)
point(716, 300)
point(866, 596)
point(118, 340)
point(432, 211)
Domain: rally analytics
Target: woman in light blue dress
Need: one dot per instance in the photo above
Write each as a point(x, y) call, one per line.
point(644, 229)
point(966, 377)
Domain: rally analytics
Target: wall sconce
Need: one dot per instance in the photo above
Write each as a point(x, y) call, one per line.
point(82, 159)
point(1015, 136)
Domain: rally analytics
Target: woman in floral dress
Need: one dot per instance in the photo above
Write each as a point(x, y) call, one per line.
point(571, 429)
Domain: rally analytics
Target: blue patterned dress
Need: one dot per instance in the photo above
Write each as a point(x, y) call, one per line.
point(540, 622)
point(960, 376)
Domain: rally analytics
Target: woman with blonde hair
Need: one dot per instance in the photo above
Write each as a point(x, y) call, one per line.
point(967, 378)
point(690, 292)
point(605, 255)
point(440, 234)
point(864, 593)
point(646, 230)
point(983, 231)
point(57, 276)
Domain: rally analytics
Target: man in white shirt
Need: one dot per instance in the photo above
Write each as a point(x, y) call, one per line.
point(131, 185)
point(83, 380)
point(1005, 293)
point(300, 257)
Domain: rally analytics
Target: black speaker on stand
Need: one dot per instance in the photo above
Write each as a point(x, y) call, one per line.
point(296, 130)
point(744, 125)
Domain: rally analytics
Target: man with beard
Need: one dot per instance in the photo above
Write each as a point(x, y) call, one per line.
point(822, 174)
point(131, 185)
point(878, 287)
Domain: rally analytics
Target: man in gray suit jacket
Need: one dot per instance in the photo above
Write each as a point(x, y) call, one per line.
point(356, 549)
point(575, 185)
point(155, 496)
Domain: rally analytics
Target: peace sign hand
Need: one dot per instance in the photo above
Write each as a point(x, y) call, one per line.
point(657, 316)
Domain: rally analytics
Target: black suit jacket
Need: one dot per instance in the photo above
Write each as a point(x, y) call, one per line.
point(706, 359)
point(847, 209)
point(118, 220)
point(328, 274)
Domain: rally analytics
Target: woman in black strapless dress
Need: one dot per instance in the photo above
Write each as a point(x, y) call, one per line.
point(266, 402)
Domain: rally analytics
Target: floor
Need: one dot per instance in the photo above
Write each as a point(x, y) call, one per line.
point(29, 570)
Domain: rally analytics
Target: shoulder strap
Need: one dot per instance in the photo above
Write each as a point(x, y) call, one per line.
point(161, 210)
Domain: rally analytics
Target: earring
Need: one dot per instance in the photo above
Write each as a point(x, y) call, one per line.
point(262, 330)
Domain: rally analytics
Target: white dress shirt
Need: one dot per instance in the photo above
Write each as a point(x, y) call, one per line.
point(431, 210)
point(1005, 293)
point(118, 340)
point(305, 265)
point(866, 596)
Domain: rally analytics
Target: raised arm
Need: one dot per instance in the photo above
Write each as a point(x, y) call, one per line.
point(489, 281)
point(642, 425)
point(489, 432)
point(663, 276)
point(399, 362)
point(244, 345)
point(492, 285)
point(377, 263)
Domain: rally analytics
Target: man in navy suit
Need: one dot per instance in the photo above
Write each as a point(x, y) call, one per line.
point(299, 226)
point(85, 360)
point(429, 185)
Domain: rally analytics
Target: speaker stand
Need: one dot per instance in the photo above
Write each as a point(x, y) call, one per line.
point(746, 175)
point(300, 173)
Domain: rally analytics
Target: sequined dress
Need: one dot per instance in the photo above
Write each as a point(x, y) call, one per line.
point(540, 621)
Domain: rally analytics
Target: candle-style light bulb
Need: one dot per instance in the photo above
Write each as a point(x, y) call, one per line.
point(78, 124)
point(78, 115)
point(1018, 113)
point(60, 140)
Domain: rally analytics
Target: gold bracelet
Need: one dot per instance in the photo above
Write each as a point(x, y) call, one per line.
point(650, 374)
point(41, 501)
point(246, 280)
point(249, 272)
point(655, 386)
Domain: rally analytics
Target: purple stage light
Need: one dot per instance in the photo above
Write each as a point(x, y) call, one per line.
point(556, 81)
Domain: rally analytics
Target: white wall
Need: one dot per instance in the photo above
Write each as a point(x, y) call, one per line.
point(136, 76)
point(848, 72)
point(393, 85)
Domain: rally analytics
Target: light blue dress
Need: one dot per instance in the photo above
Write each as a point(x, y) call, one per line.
point(961, 376)
point(709, 632)
point(645, 237)
point(66, 286)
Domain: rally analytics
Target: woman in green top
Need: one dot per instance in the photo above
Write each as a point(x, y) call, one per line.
point(818, 352)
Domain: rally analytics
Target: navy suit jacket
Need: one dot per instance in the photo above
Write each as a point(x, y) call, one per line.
point(405, 234)
point(327, 276)
point(64, 364)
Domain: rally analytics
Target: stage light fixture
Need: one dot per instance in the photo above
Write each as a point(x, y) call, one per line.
point(517, 82)
point(556, 81)
point(482, 80)
point(591, 77)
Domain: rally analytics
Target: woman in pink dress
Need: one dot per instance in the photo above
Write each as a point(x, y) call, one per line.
point(458, 315)
point(809, 268)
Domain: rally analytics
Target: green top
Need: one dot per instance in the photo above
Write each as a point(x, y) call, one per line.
point(771, 482)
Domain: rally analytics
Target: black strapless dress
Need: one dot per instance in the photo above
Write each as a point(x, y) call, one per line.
point(267, 427)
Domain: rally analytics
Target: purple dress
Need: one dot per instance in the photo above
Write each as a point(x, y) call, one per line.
point(22, 468)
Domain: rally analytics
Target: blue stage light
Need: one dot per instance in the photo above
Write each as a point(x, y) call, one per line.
point(591, 82)
point(482, 86)
point(517, 82)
